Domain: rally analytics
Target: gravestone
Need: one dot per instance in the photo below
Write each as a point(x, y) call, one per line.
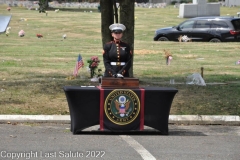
point(231, 3)
point(199, 8)
point(4, 21)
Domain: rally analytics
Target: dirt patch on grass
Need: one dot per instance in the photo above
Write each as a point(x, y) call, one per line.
point(145, 51)
point(188, 56)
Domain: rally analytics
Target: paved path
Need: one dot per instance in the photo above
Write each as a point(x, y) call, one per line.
point(54, 141)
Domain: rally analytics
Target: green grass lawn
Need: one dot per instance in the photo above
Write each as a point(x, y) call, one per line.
point(34, 70)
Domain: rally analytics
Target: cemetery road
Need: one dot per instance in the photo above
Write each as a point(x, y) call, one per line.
point(55, 141)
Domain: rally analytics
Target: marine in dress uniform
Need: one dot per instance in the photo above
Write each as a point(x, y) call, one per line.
point(117, 55)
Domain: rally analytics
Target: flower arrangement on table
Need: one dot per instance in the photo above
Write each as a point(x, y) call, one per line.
point(93, 65)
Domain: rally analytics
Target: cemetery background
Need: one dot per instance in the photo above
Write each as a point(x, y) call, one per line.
point(34, 70)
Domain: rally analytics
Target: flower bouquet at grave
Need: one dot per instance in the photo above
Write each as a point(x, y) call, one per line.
point(93, 65)
point(39, 35)
point(21, 33)
point(184, 39)
point(168, 56)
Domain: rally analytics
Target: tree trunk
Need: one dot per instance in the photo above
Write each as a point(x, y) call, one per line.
point(107, 18)
point(127, 18)
point(46, 4)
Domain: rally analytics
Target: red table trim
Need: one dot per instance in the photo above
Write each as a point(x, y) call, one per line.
point(142, 109)
point(101, 107)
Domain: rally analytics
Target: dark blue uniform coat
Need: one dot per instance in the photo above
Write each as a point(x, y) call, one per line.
point(117, 52)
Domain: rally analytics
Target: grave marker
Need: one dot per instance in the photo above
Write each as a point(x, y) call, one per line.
point(199, 8)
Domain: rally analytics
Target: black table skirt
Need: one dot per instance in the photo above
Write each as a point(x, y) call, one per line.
point(84, 107)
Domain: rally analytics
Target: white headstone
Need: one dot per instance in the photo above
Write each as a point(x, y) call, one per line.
point(199, 8)
point(199, 1)
point(232, 3)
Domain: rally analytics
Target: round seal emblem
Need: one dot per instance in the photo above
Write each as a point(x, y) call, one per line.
point(122, 106)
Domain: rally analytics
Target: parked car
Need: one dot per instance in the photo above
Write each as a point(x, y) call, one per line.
point(203, 29)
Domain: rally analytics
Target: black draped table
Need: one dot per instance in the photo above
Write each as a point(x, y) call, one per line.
point(91, 105)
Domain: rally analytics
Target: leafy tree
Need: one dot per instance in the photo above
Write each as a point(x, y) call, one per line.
point(43, 5)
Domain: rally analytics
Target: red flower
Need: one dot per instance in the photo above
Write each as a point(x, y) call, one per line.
point(39, 35)
point(95, 59)
point(94, 64)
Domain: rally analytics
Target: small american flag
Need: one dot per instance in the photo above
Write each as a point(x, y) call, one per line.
point(78, 65)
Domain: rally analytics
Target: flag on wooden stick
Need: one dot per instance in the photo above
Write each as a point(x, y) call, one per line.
point(78, 65)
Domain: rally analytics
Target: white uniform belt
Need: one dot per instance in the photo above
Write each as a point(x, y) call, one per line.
point(118, 63)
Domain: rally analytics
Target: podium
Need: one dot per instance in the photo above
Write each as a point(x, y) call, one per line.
point(111, 82)
point(119, 105)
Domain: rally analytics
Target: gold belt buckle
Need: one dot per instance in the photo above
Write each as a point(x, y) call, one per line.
point(118, 63)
